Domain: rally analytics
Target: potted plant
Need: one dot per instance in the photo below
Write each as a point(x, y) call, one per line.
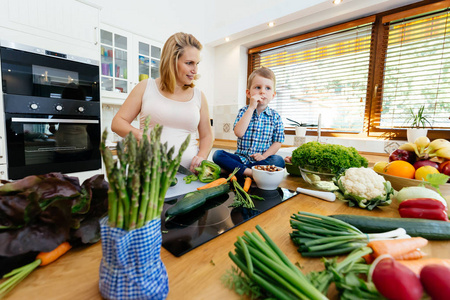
point(300, 128)
point(418, 122)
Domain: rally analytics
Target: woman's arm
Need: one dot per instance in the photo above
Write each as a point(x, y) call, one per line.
point(121, 123)
point(205, 135)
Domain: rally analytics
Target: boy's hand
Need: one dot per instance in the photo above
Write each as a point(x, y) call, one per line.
point(254, 101)
point(257, 156)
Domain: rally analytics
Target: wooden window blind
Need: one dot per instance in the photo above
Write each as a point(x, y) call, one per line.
point(416, 71)
point(324, 75)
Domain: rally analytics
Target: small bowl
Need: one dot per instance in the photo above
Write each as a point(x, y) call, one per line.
point(267, 180)
point(321, 181)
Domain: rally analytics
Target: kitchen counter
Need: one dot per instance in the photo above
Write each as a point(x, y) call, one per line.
point(196, 275)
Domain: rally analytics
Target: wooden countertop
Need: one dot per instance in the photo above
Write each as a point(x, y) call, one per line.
point(196, 275)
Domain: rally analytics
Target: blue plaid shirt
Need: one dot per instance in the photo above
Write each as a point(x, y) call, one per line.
point(262, 132)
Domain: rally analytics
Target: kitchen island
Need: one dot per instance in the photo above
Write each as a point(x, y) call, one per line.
point(197, 274)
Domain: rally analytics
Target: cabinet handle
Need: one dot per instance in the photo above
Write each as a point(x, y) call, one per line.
point(95, 36)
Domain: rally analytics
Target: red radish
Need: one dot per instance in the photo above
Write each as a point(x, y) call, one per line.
point(436, 281)
point(395, 281)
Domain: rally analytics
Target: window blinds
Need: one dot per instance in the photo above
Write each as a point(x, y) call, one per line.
point(417, 71)
point(324, 75)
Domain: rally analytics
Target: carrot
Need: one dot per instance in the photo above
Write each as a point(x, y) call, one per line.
point(214, 183)
point(219, 181)
point(414, 254)
point(234, 178)
point(369, 258)
point(247, 183)
point(49, 257)
point(396, 247)
point(416, 265)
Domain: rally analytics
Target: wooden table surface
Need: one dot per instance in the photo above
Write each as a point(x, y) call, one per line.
point(197, 274)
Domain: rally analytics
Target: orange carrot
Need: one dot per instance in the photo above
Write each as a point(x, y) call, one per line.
point(247, 183)
point(396, 247)
point(49, 257)
point(369, 258)
point(234, 178)
point(214, 183)
point(416, 265)
point(415, 254)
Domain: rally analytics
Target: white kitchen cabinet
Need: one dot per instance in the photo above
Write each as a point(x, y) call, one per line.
point(115, 45)
point(126, 59)
point(66, 26)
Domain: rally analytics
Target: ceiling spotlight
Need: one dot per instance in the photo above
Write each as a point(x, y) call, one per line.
point(271, 24)
point(227, 39)
point(337, 1)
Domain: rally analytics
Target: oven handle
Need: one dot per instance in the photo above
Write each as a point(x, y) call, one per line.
point(41, 120)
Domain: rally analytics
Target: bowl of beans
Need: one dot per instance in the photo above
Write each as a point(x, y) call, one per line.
point(268, 177)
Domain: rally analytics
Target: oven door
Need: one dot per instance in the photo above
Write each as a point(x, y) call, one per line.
point(39, 144)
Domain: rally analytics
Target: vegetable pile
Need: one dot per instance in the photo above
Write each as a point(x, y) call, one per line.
point(318, 236)
point(41, 217)
point(363, 187)
point(327, 158)
point(140, 178)
point(38, 213)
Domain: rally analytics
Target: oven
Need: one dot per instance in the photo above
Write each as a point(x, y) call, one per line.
point(51, 105)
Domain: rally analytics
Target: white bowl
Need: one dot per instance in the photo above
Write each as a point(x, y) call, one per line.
point(266, 180)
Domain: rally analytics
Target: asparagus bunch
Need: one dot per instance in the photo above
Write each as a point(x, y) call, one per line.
point(140, 177)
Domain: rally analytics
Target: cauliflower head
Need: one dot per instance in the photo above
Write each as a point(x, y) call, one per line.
point(365, 188)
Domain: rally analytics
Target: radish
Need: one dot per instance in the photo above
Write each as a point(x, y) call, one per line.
point(435, 280)
point(395, 281)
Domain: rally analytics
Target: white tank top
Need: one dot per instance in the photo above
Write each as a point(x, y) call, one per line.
point(178, 119)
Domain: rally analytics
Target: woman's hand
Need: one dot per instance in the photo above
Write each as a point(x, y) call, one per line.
point(196, 161)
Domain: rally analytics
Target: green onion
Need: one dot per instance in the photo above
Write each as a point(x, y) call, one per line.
point(318, 236)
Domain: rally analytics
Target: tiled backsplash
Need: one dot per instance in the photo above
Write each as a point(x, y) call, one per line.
point(224, 116)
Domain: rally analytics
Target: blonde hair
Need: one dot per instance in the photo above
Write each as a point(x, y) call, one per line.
point(263, 72)
point(172, 50)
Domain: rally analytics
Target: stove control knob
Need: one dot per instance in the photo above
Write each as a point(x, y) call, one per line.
point(81, 109)
point(34, 106)
point(58, 107)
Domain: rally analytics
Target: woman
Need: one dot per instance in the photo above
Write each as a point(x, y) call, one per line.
point(172, 101)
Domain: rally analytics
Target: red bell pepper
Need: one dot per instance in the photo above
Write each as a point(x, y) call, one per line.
point(423, 208)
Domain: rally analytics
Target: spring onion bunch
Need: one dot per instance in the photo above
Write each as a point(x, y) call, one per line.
point(318, 236)
point(268, 267)
point(139, 179)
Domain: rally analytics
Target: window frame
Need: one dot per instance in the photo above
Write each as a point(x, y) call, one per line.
point(380, 31)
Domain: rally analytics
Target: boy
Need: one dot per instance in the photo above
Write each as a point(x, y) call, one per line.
point(259, 129)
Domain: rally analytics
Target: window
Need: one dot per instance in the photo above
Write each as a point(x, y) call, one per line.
point(364, 77)
point(417, 70)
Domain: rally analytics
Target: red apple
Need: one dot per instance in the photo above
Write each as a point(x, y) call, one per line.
point(444, 168)
point(425, 162)
point(401, 154)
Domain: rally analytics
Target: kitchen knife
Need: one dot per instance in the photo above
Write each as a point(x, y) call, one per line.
point(184, 171)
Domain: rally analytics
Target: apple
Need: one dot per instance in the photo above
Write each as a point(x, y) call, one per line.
point(401, 154)
point(444, 168)
point(425, 162)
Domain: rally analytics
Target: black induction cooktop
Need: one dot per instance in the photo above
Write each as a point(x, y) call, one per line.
point(184, 233)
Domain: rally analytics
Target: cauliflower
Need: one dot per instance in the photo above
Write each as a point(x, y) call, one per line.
point(364, 187)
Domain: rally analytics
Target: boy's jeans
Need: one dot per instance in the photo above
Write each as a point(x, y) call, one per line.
point(228, 161)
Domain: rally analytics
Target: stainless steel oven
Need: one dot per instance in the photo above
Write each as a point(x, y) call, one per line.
point(51, 111)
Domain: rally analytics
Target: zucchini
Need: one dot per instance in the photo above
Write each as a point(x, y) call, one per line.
point(193, 200)
point(428, 229)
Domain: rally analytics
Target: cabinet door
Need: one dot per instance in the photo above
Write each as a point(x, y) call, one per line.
point(114, 66)
point(69, 27)
point(147, 55)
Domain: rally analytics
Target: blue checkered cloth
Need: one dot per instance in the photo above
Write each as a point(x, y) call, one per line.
point(262, 132)
point(131, 267)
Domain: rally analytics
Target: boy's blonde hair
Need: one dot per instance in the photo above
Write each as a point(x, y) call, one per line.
point(172, 50)
point(263, 72)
